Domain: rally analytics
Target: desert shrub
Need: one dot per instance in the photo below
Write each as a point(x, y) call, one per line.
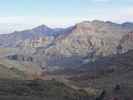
point(30, 59)
point(117, 87)
point(36, 76)
point(101, 96)
point(14, 57)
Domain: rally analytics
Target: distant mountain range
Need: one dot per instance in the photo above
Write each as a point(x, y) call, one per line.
point(85, 27)
point(75, 45)
point(18, 37)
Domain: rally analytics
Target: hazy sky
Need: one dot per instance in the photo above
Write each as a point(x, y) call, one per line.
point(24, 14)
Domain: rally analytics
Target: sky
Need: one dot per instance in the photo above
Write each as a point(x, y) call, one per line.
point(24, 14)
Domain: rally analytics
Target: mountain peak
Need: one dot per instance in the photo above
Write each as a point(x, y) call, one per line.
point(42, 27)
point(97, 21)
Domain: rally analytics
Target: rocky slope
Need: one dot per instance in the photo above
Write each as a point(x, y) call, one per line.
point(18, 37)
point(88, 41)
point(10, 69)
point(85, 37)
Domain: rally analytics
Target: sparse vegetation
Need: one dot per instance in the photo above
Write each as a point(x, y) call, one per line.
point(47, 90)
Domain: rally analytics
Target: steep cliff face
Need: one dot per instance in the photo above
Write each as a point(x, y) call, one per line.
point(127, 42)
point(101, 38)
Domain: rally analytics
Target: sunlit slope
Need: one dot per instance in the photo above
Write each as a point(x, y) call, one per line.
point(16, 70)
